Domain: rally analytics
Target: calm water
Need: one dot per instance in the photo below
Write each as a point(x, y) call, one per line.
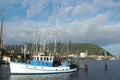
point(96, 71)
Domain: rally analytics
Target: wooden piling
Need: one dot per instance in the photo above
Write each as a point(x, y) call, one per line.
point(86, 65)
point(105, 65)
point(86, 62)
point(83, 64)
point(105, 61)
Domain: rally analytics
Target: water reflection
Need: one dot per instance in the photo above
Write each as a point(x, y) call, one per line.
point(63, 76)
point(4, 72)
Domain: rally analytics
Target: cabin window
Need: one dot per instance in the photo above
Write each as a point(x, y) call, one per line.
point(37, 58)
point(47, 59)
point(41, 59)
point(44, 58)
point(50, 59)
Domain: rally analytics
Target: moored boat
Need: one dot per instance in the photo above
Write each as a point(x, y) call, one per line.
point(42, 65)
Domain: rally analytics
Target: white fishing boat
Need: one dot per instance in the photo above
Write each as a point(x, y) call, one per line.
point(42, 65)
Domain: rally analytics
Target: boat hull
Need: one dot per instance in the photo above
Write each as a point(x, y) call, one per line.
point(23, 68)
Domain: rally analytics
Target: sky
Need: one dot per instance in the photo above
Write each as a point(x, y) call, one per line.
point(81, 21)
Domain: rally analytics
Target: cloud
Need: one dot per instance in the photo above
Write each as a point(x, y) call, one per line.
point(105, 3)
point(16, 32)
point(70, 11)
point(5, 3)
point(93, 30)
point(84, 8)
point(34, 7)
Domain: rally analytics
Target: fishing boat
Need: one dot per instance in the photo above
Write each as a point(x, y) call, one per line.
point(42, 65)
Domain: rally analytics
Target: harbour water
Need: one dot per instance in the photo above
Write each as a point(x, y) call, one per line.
point(96, 71)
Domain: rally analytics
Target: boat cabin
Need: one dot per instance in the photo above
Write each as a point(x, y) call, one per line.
point(42, 60)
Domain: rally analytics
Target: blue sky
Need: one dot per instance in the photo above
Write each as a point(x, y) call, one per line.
point(81, 21)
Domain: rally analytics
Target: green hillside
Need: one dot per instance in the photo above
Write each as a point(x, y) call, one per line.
point(79, 47)
point(63, 48)
point(91, 49)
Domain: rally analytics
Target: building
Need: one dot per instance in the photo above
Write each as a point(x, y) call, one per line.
point(83, 55)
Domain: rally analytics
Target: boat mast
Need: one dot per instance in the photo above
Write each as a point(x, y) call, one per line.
point(36, 41)
point(56, 32)
point(68, 47)
point(1, 33)
point(44, 47)
point(24, 52)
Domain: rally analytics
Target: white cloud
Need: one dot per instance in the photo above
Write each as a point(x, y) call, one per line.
point(5, 3)
point(105, 3)
point(19, 32)
point(84, 8)
point(70, 11)
point(102, 2)
point(35, 7)
point(93, 30)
